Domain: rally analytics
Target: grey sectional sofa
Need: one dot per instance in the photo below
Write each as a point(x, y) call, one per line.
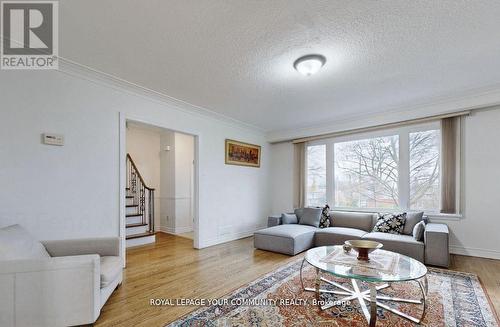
point(293, 238)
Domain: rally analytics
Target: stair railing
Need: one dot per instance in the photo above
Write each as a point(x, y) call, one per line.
point(143, 195)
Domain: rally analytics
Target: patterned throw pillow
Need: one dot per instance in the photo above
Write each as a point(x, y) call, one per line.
point(392, 223)
point(325, 217)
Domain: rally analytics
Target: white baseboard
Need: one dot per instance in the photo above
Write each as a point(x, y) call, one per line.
point(179, 230)
point(454, 249)
point(168, 230)
point(475, 252)
point(229, 237)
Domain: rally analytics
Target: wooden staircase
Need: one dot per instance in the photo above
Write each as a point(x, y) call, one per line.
point(139, 208)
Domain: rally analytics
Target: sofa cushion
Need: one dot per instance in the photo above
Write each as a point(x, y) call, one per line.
point(288, 239)
point(310, 216)
point(357, 220)
point(16, 243)
point(289, 218)
point(298, 212)
point(392, 223)
point(412, 218)
point(337, 235)
point(111, 267)
point(404, 244)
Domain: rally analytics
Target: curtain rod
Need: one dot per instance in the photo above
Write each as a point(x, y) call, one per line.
point(382, 126)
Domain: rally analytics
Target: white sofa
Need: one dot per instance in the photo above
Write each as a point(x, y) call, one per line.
point(67, 287)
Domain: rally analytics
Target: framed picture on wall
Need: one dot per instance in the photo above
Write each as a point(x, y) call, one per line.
point(242, 154)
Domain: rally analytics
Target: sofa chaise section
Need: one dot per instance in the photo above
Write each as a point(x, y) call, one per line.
point(287, 239)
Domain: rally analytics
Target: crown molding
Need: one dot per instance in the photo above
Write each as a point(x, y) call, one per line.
point(469, 100)
point(85, 72)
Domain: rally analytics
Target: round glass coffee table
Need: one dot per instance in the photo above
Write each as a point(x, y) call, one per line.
point(394, 267)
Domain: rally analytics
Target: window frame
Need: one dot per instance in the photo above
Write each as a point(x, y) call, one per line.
point(307, 169)
point(403, 133)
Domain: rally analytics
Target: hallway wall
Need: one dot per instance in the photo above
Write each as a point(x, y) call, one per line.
point(143, 145)
point(177, 182)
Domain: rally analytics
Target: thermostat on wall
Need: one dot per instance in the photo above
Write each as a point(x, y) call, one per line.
point(53, 139)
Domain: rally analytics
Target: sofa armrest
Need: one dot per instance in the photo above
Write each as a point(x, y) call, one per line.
point(62, 291)
point(437, 249)
point(274, 220)
point(50, 264)
point(105, 246)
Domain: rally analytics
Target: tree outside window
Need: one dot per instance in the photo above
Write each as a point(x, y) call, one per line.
point(366, 173)
point(316, 175)
point(399, 171)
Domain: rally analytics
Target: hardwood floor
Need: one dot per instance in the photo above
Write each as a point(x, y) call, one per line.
point(488, 271)
point(172, 269)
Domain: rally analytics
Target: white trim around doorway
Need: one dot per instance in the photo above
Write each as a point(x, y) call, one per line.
point(123, 118)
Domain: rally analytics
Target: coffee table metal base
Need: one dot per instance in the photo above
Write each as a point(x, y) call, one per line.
point(367, 297)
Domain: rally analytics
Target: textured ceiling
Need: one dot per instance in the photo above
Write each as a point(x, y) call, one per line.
point(235, 57)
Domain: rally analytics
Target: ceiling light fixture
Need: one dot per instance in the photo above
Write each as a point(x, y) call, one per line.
point(310, 64)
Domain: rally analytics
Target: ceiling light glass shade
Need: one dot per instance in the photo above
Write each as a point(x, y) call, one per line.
point(310, 64)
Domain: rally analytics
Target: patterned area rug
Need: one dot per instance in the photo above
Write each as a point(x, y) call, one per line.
point(277, 299)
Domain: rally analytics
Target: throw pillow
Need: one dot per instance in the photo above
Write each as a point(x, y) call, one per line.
point(325, 217)
point(289, 218)
point(418, 231)
point(16, 244)
point(310, 216)
point(392, 223)
point(298, 212)
point(412, 218)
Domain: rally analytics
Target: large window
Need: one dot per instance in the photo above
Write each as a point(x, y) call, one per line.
point(366, 173)
point(395, 169)
point(316, 175)
point(424, 170)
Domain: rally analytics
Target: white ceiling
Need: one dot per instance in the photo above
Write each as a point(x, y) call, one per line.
point(235, 57)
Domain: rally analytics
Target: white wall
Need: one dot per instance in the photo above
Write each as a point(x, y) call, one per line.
point(73, 191)
point(477, 232)
point(167, 175)
point(177, 181)
point(184, 156)
point(143, 145)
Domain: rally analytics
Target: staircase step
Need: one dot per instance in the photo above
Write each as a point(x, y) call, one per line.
point(133, 215)
point(135, 225)
point(146, 234)
point(141, 241)
point(131, 205)
point(129, 196)
point(127, 188)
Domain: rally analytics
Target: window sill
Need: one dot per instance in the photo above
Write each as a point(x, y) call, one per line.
point(432, 216)
point(445, 216)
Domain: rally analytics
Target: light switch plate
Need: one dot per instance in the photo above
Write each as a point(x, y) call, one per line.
point(53, 139)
